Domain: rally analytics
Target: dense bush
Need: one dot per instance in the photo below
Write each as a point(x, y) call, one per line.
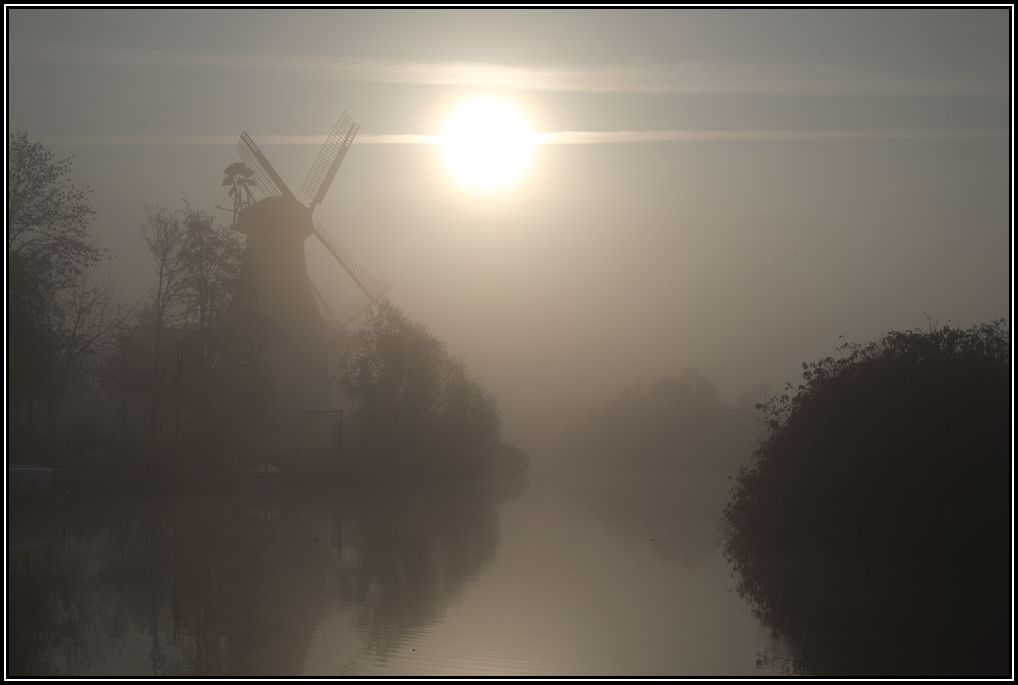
point(874, 527)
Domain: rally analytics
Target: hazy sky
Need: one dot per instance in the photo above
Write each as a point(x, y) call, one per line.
point(734, 191)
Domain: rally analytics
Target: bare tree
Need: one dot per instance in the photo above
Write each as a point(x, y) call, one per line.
point(212, 257)
point(166, 239)
point(93, 315)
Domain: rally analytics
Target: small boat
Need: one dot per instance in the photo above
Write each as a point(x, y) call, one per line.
point(31, 478)
point(32, 484)
point(264, 472)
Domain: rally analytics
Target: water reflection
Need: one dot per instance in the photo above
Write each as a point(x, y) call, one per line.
point(414, 555)
point(235, 585)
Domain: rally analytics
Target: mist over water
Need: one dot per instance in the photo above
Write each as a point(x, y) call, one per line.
point(337, 585)
point(487, 342)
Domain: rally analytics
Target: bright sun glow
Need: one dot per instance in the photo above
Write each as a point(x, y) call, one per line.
point(487, 145)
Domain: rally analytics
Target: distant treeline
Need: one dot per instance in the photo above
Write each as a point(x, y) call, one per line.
point(658, 460)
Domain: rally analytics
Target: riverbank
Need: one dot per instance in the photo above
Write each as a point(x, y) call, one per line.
point(505, 470)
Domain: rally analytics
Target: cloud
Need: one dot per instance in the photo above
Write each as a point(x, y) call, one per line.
point(551, 138)
point(233, 139)
point(631, 77)
point(690, 136)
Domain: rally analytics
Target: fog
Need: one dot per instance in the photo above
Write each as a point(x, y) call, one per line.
point(609, 263)
point(719, 195)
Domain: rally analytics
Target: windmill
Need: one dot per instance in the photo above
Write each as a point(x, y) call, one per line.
point(274, 284)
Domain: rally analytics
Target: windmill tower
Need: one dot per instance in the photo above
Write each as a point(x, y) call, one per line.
point(274, 286)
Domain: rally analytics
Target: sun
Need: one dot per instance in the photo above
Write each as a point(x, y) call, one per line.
point(487, 145)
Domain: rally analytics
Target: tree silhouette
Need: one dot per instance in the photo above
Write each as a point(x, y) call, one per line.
point(412, 399)
point(166, 238)
point(873, 528)
point(60, 323)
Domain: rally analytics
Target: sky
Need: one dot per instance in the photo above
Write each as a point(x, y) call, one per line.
point(733, 190)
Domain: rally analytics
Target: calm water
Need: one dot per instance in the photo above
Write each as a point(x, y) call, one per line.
point(389, 583)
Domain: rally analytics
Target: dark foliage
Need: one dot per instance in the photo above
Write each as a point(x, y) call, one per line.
point(185, 377)
point(414, 404)
point(874, 527)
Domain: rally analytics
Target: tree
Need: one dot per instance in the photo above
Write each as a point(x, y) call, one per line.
point(467, 415)
point(166, 240)
point(873, 528)
point(47, 215)
point(224, 383)
point(49, 252)
point(411, 399)
point(211, 258)
point(212, 358)
point(93, 317)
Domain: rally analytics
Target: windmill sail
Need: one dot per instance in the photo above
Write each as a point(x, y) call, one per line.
point(372, 288)
point(329, 158)
point(269, 181)
point(320, 298)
